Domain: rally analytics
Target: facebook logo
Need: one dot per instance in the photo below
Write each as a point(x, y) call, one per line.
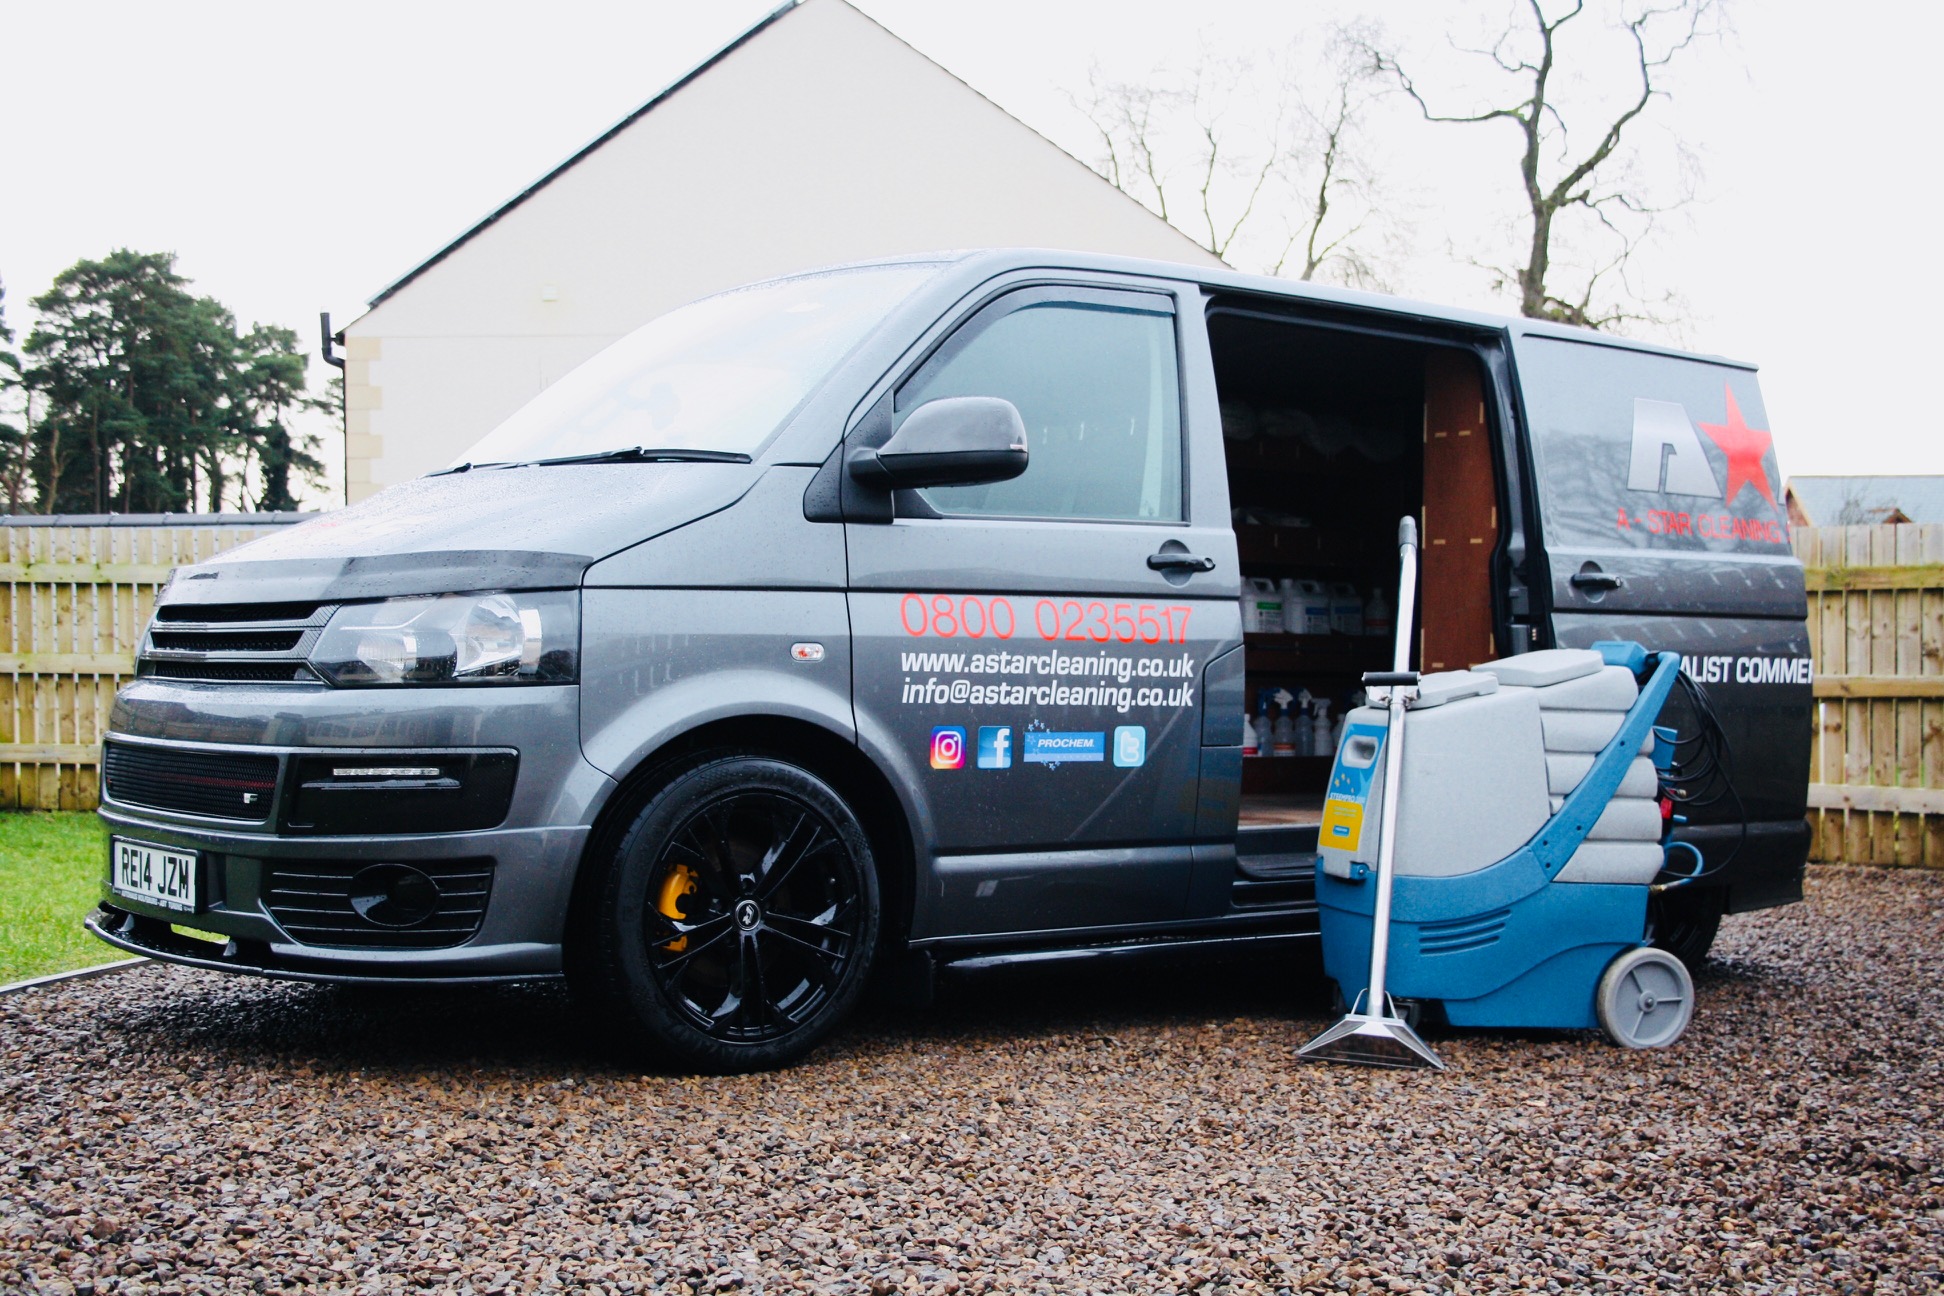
point(995, 747)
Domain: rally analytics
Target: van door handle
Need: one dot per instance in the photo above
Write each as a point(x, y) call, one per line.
point(1594, 580)
point(1174, 560)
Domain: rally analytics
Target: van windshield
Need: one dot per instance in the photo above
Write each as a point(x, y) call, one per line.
point(717, 375)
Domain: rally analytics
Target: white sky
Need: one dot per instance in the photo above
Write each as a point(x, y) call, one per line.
point(298, 157)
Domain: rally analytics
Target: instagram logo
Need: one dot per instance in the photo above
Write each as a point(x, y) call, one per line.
point(948, 748)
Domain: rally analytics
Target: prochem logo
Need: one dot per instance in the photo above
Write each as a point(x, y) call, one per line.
point(948, 748)
point(1044, 748)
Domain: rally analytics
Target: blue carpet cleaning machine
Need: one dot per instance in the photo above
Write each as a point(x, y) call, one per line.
point(1498, 864)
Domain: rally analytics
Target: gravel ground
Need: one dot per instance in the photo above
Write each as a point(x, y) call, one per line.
point(166, 1130)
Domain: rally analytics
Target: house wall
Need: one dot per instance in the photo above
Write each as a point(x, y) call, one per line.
point(823, 138)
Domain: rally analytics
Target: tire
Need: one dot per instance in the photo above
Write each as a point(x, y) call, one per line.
point(1645, 998)
point(738, 918)
point(1685, 923)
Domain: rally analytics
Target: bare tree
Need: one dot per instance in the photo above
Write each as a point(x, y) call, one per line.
point(1246, 163)
point(1167, 143)
point(1861, 508)
point(1339, 169)
point(1557, 180)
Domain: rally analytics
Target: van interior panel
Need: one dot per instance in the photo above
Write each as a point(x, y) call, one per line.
point(1330, 437)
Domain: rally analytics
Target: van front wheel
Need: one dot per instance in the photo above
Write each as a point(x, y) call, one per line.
point(739, 916)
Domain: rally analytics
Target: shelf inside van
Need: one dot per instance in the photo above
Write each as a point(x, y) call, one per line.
point(1319, 550)
point(1275, 654)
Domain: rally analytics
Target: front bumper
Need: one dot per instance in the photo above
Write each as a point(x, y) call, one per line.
point(531, 857)
point(153, 938)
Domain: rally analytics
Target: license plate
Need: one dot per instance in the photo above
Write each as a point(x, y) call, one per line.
point(157, 874)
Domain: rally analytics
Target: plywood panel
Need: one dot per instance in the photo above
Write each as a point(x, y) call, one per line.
point(1460, 522)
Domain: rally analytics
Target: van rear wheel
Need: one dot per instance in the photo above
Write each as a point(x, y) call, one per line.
point(739, 916)
point(1685, 922)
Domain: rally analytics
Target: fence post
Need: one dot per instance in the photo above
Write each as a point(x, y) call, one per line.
point(1876, 631)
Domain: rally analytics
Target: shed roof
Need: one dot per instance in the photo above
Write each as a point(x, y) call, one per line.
point(1855, 501)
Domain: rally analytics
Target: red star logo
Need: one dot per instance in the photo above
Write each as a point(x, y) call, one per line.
point(1744, 447)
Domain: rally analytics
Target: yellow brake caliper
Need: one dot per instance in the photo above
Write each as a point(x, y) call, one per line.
point(678, 886)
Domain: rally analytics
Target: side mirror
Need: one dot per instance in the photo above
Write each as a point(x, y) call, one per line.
point(955, 441)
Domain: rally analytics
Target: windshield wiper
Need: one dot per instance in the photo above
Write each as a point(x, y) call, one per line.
point(642, 454)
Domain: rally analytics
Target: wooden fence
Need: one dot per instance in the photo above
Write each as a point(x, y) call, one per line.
point(79, 593)
point(1876, 631)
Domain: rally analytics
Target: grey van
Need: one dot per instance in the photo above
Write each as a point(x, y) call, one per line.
point(893, 617)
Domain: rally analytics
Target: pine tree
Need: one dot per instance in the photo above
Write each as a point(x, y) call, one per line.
point(15, 403)
point(152, 401)
point(273, 387)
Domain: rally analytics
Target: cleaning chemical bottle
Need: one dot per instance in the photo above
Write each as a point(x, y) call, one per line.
point(1249, 745)
point(1282, 734)
point(1343, 720)
point(1305, 728)
point(1377, 615)
point(1264, 740)
point(1261, 606)
point(1346, 609)
point(1320, 744)
point(1336, 735)
point(1311, 602)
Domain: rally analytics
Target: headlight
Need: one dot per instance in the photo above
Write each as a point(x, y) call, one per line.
point(454, 639)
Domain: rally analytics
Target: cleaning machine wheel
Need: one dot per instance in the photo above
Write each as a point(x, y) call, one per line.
point(1645, 999)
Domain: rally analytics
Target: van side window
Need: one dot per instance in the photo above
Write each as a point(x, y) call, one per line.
point(1098, 390)
point(1639, 450)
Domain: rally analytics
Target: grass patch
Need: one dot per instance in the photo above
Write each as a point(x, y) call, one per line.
point(51, 865)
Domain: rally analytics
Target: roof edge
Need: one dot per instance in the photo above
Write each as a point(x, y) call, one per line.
point(756, 29)
point(1040, 135)
point(1850, 477)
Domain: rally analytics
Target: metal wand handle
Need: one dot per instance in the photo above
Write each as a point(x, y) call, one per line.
point(1407, 548)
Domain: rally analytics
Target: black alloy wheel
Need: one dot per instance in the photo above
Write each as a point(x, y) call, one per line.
point(741, 915)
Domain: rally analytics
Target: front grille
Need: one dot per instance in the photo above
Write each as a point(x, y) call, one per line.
point(222, 785)
point(222, 672)
point(233, 643)
point(212, 641)
point(214, 613)
point(311, 900)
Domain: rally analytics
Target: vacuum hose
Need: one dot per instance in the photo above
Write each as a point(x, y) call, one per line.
point(1701, 776)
